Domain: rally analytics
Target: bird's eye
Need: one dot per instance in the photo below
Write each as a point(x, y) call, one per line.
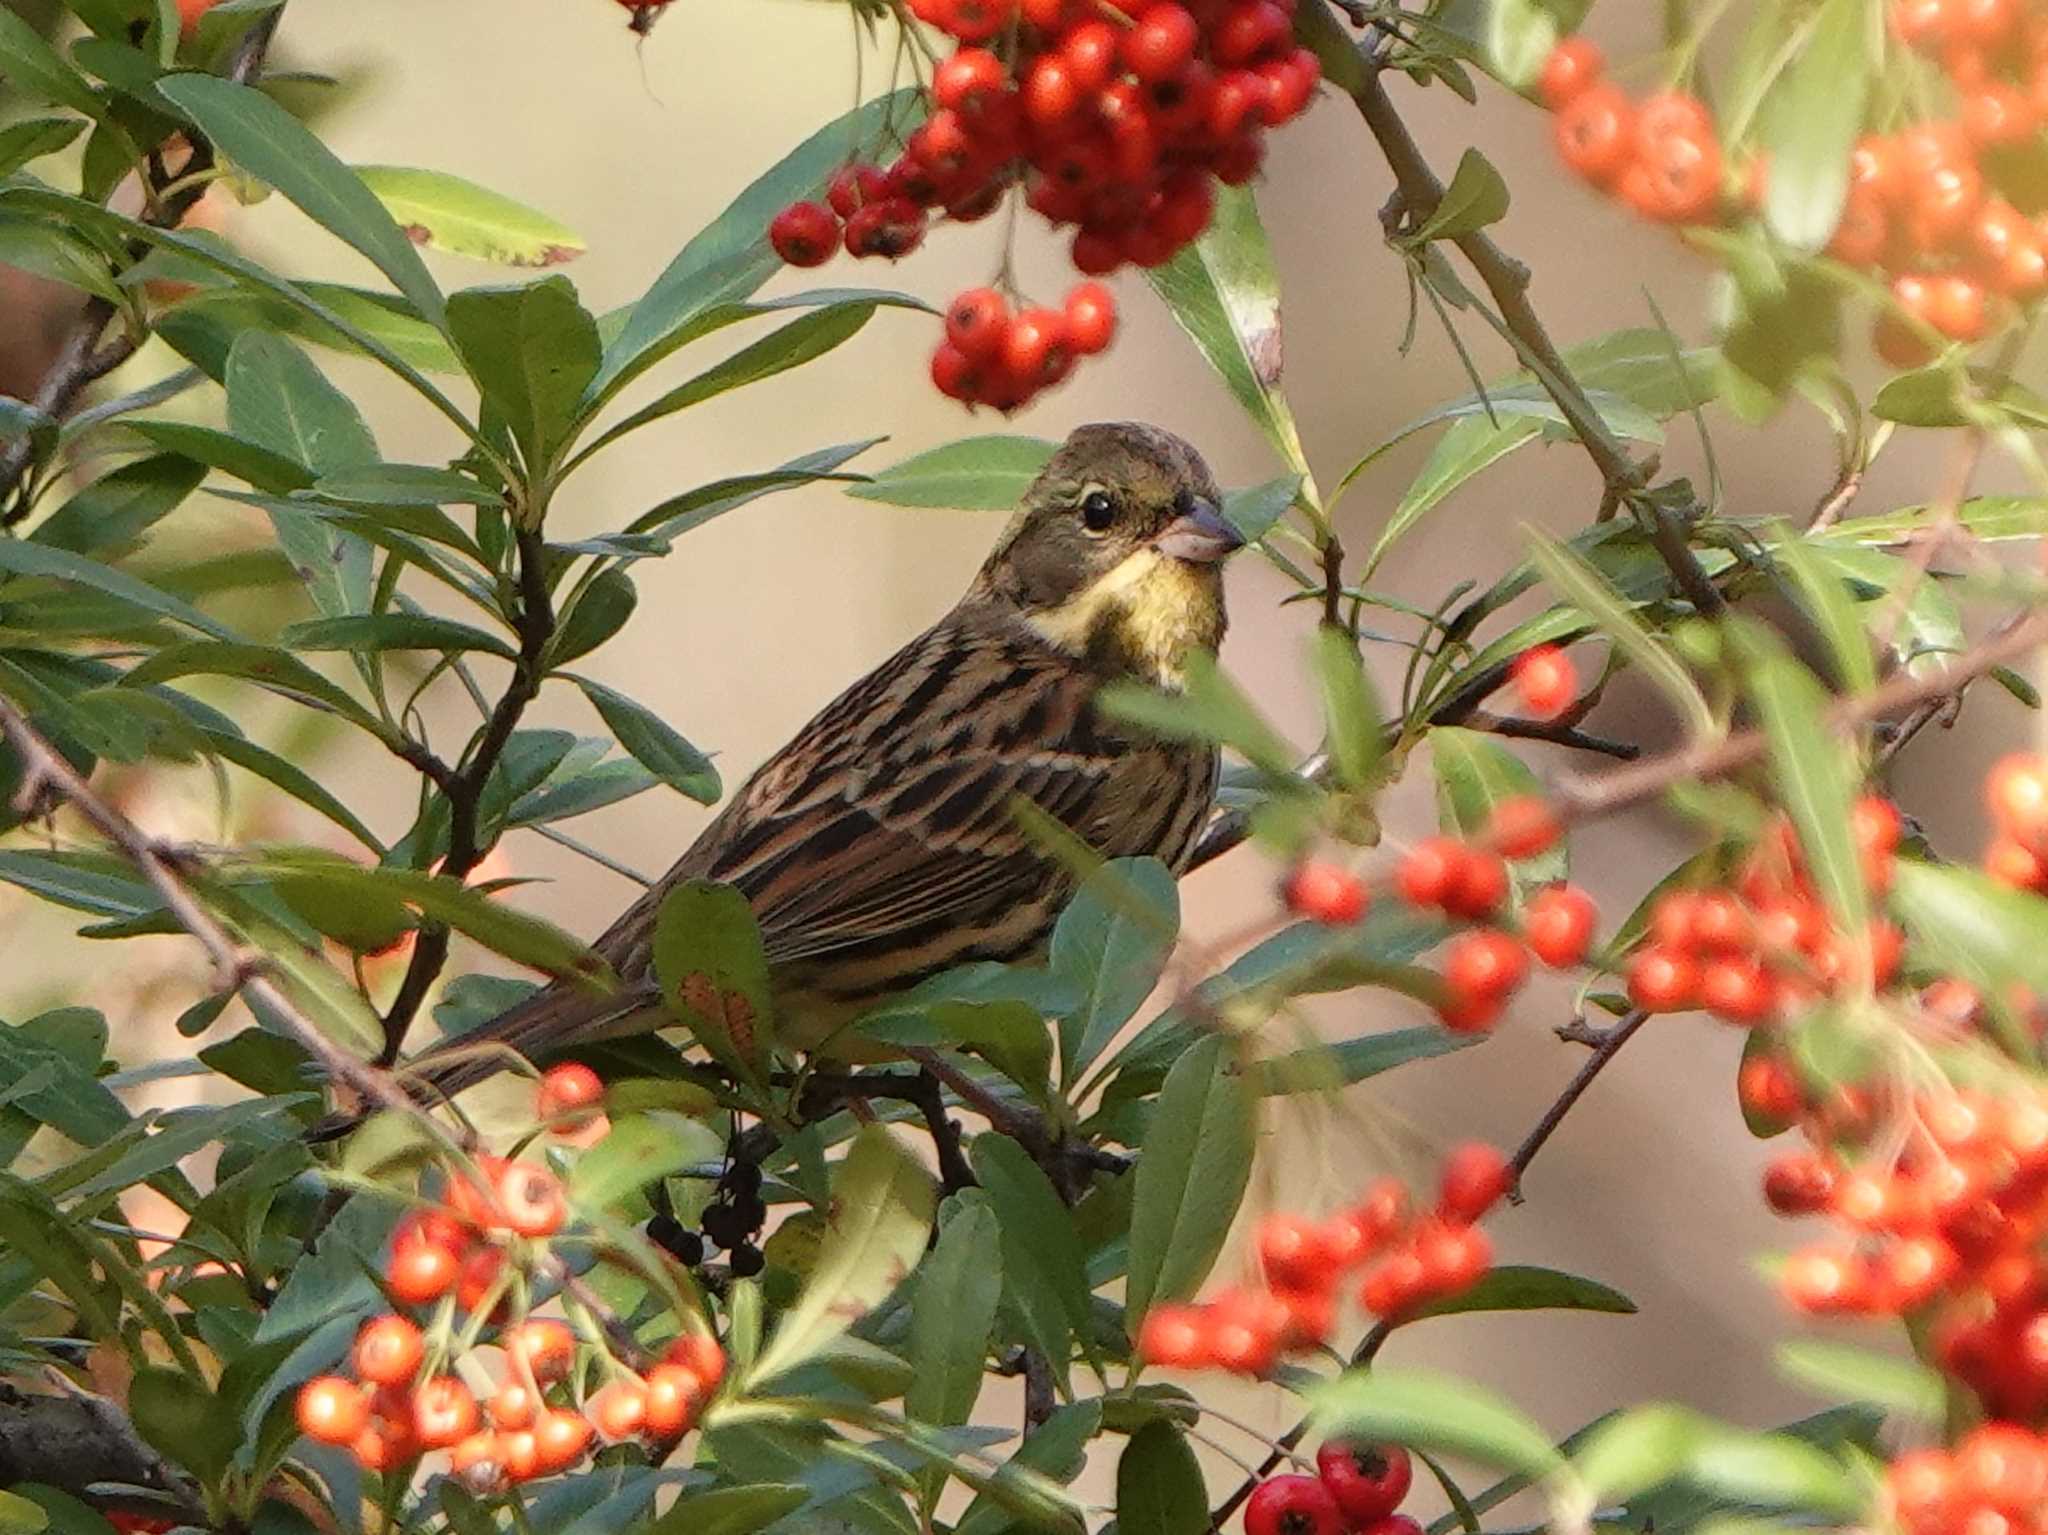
point(1098, 511)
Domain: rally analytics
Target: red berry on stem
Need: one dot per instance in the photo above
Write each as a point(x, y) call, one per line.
point(1574, 67)
point(1662, 980)
point(332, 1410)
point(854, 186)
point(1558, 925)
point(443, 1412)
point(1522, 826)
point(1475, 1176)
point(969, 80)
point(420, 1271)
point(956, 375)
point(388, 1351)
point(1485, 963)
point(1174, 1337)
point(1480, 887)
point(1325, 892)
point(1368, 1481)
point(1035, 347)
point(1595, 133)
point(569, 1095)
point(1162, 42)
point(804, 234)
point(1091, 318)
point(1427, 872)
point(976, 322)
point(1546, 680)
point(1292, 1505)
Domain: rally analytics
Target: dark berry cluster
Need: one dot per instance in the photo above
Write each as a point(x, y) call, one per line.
point(462, 1257)
point(1402, 1261)
point(1114, 120)
point(1357, 1488)
point(1931, 207)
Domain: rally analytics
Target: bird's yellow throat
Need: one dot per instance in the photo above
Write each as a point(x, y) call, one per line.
point(1146, 614)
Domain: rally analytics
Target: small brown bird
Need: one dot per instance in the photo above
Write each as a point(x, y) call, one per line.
point(879, 846)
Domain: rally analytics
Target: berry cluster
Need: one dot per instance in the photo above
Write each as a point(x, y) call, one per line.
point(1931, 208)
point(1406, 1262)
point(1356, 1488)
point(1114, 120)
point(1749, 952)
point(1994, 1480)
point(2018, 793)
point(731, 1221)
point(465, 1257)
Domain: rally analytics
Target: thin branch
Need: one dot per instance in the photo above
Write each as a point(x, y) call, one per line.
point(83, 358)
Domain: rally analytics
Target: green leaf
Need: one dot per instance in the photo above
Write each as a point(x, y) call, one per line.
point(801, 340)
point(714, 976)
point(1467, 449)
point(1474, 773)
point(1518, 1287)
point(654, 744)
point(19, 557)
point(246, 461)
point(1810, 124)
point(267, 142)
point(1971, 926)
point(34, 68)
point(1817, 581)
point(363, 633)
point(637, 1152)
point(1842, 1372)
point(1210, 708)
point(693, 508)
point(952, 1312)
point(279, 671)
point(877, 1223)
point(599, 613)
point(1226, 295)
point(1058, 1449)
point(405, 485)
point(1814, 775)
point(532, 350)
point(1579, 583)
point(1159, 1488)
point(1351, 712)
point(1639, 1449)
point(177, 1416)
point(1432, 1412)
point(118, 508)
point(1519, 37)
point(1325, 1068)
point(31, 1515)
point(1112, 943)
point(1778, 1471)
point(1191, 1177)
point(975, 474)
point(447, 213)
point(729, 1510)
point(1475, 198)
point(1987, 519)
point(1045, 1273)
point(33, 137)
point(1254, 509)
point(730, 257)
point(54, 1089)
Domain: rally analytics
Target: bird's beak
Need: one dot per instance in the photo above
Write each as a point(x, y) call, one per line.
point(1201, 535)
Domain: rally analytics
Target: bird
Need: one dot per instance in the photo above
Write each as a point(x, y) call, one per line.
point(881, 845)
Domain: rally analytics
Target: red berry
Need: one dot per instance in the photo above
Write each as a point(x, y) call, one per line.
point(1394, 1284)
point(976, 322)
point(513, 1405)
point(1468, 1012)
point(1558, 925)
point(1249, 32)
point(855, 186)
point(1595, 132)
point(1429, 870)
point(1546, 680)
point(332, 1410)
point(969, 80)
point(420, 1271)
point(1454, 1258)
point(1864, 233)
point(1574, 67)
point(1292, 1505)
point(1096, 254)
point(1662, 980)
point(1090, 52)
point(443, 1412)
point(1736, 990)
point(1091, 318)
point(1051, 94)
point(1035, 348)
point(1367, 1480)
point(388, 1351)
point(2016, 789)
point(1326, 893)
point(1769, 1090)
point(1485, 963)
point(1290, 83)
point(891, 228)
point(1475, 1176)
point(1174, 1337)
point(675, 1393)
point(804, 234)
point(560, 1437)
point(1291, 1252)
point(1823, 1281)
point(1393, 1524)
point(1522, 826)
point(1162, 42)
point(702, 1355)
point(1679, 171)
point(532, 1199)
point(956, 375)
point(1799, 1183)
point(619, 1410)
point(1481, 885)
point(569, 1095)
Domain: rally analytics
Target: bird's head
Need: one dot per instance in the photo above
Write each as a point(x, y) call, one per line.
point(1116, 555)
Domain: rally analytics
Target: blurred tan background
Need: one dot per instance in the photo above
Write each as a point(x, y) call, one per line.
point(761, 617)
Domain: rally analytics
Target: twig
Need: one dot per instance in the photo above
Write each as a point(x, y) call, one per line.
point(1557, 732)
point(79, 1443)
point(82, 359)
point(954, 1172)
point(464, 788)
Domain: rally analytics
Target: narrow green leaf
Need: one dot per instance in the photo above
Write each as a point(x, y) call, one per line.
point(1226, 295)
point(693, 508)
point(33, 137)
point(1973, 927)
point(1351, 712)
point(34, 68)
point(1639, 1449)
point(1582, 585)
point(118, 508)
point(1159, 1488)
point(1326, 1068)
point(270, 144)
point(1988, 519)
point(1843, 1372)
point(1432, 1412)
point(1810, 123)
point(1191, 1177)
point(176, 1415)
point(1778, 1471)
point(880, 1215)
point(952, 1312)
point(654, 744)
point(1468, 448)
point(247, 461)
point(279, 671)
point(532, 350)
point(1475, 198)
point(1819, 586)
point(975, 474)
point(1045, 1275)
point(363, 633)
point(1210, 708)
point(1519, 1287)
point(729, 1510)
point(1055, 1452)
point(19, 557)
point(637, 1152)
point(1254, 509)
point(447, 213)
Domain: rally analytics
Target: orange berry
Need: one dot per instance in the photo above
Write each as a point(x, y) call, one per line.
point(443, 1412)
point(477, 1464)
point(674, 1394)
point(569, 1095)
point(1558, 925)
point(1546, 680)
point(1574, 67)
point(560, 1437)
point(701, 1354)
point(532, 1200)
point(1475, 1176)
point(388, 1351)
point(619, 1411)
point(1522, 826)
point(542, 1345)
point(332, 1410)
point(1326, 892)
point(514, 1405)
point(420, 1271)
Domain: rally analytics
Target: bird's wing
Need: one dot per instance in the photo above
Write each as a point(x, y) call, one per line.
point(886, 822)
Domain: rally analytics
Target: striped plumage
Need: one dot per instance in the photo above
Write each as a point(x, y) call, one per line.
point(879, 846)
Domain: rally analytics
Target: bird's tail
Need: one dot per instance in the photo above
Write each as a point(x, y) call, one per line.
point(553, 1018)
